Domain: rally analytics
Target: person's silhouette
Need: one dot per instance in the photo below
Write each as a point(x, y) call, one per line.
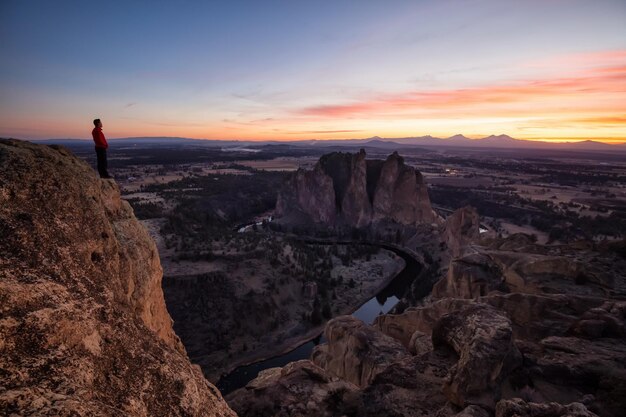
point(101, 148)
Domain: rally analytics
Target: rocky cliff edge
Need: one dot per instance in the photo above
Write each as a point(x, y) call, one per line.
point(83, 326)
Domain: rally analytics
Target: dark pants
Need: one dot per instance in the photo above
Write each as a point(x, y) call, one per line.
point(101, 154)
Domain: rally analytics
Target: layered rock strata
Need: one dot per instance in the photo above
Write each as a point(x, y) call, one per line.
point(83, 329)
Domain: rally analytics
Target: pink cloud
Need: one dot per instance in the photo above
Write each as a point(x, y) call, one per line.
point(587, 90)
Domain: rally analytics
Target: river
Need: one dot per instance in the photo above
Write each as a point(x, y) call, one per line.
point(382, 303)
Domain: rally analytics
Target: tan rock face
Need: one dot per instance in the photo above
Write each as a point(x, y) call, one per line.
point(533, 317)
point(355, 351)
point(470, 277)
point(384, 188)
point(482, 273)
point(139, 266)
point(310, 193)
point(401, 194)
point(409, 387)
point(517, 407)
point(84, 330)
point(355, 204)
point(483, 338)
point(536, 316)
point(403, 326)
point(461, 228)
point(304, 389)
point(473, 411)
point(365, 192)
point(563, 320)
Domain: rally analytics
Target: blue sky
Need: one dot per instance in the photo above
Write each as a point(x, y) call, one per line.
point(270, 69)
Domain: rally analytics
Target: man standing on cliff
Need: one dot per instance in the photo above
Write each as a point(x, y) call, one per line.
point(101, 148)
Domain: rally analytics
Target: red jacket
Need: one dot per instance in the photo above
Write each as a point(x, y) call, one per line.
point(98, 138)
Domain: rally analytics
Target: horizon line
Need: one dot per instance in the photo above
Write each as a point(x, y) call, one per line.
point(560, 140)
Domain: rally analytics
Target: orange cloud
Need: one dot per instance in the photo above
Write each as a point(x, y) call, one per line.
point(323, 131)
point(585, 100)
point(591, 91)
point(604, 120)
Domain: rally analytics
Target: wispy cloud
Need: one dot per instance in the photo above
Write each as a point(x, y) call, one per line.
point(165, 123)
point(603, 120)
point(305, 132)
point(587, 90)
point(583, 59)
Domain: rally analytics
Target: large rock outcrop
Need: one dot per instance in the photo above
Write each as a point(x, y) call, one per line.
point(83, 326)
point(489, 271)
point(304, 390)
point(510, 330)
point(483, 338)
point(311, 196)
point(517, 407)
point(364, 191)
point(533, 317)
point(461, 228)
point(355, 351)
point(472, 276)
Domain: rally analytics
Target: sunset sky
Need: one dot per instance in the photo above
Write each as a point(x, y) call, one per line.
point(287, 70)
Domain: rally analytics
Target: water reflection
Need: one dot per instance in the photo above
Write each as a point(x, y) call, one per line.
point(382, 303)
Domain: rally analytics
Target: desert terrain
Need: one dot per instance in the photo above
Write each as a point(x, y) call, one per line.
point(242, 288)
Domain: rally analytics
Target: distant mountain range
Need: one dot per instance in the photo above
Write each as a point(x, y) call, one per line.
point(457, 141)
point(493, 141)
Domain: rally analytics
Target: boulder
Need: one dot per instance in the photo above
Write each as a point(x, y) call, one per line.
point(298, 389)
point(517, 407)
point(487, 271)
point(536, 316)
point(420, 343)
point(355, 351)
point(410, 387)
point(597, 367)
point(473, 411)
point(607, 320)
point(483, 339)
point(471, 276)
point(403, 326)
